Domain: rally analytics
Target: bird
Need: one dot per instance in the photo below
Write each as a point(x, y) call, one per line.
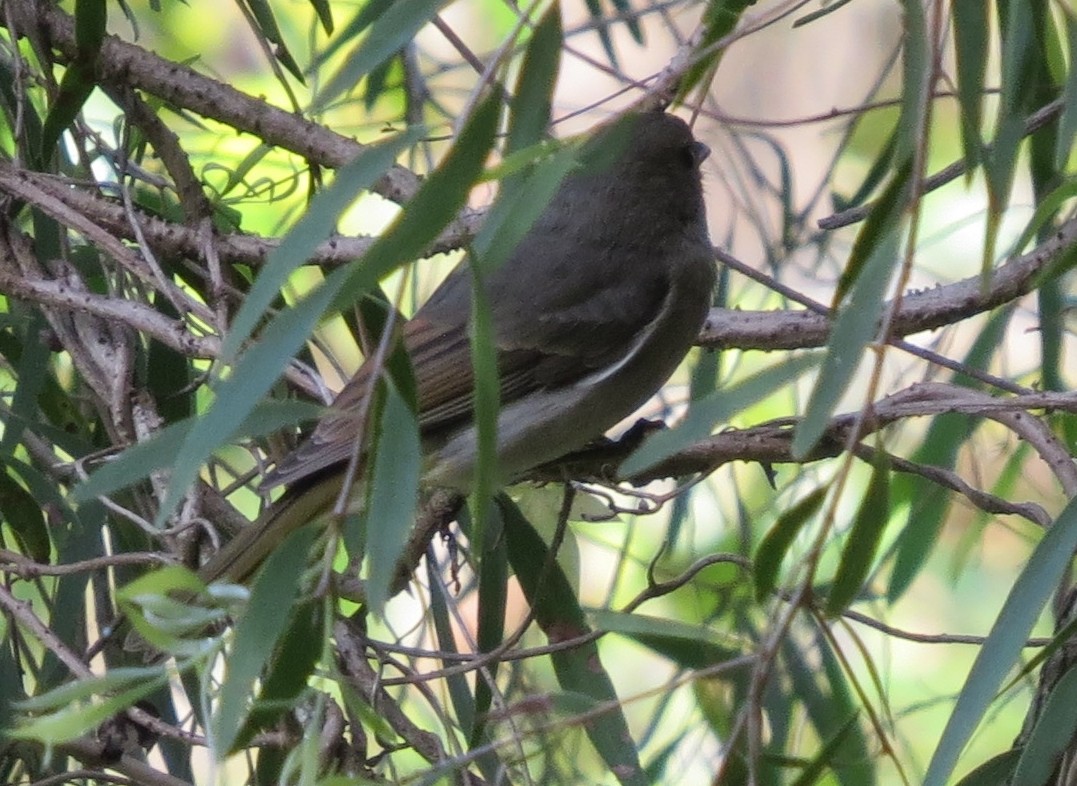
point(592, 312)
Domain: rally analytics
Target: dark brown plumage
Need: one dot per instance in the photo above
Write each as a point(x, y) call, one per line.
point(592, 312)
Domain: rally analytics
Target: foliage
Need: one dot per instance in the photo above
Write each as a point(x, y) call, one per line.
point(210, 214)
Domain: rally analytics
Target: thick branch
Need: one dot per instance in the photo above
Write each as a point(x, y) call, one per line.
point(771, 443)
point(925, 310)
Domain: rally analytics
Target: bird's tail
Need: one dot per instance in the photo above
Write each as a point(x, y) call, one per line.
point(240, 557)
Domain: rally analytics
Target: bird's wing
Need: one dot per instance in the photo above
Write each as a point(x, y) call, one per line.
point(576, 335)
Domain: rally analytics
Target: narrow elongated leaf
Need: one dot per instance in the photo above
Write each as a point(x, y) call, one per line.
point(689, 646)
point(325, 14)
point(31, 360)
point(23, 514)
point(316, 225)
point(432, 207)
point(825, 696)
point(529, 119)
point(459, 690)
point(159, 452)
point(862, 545)
point(392, 495)
point(994, 771)
point(558, 614)
point(389, 33)
point(824, 759)
point(855, 326)
point(971, 28)
point(880, 224)
point(775, 544)
point(915, 68)
point(1000, 651)
point(719, 19)
point(292, 664)
point(1067, 126)
point(79, 80)
point(487, 403)
point(1046, 208)
point(1051, 736)
point(74, 709)
point(441, 197)
point(865, 277)
point(927, 502)
point(267, 26)
point(493, 600)
point(1001, 162)
point(257, 633)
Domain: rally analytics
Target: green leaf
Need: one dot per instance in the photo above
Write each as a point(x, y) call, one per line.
point(30, 356)
point(824, 759)
point(80, 78)
point(91, 19)
point(916, 66)
point(432, 207)
point(862, 545)
point(718, 407)
point(1026, 600)
point(521, 200)
point(1000, 163)
point(24, 515)
point(877, 172)
point(392, 495)
point(493, 601)
point(171, 609)
point(928, 502)
point(257, 632)
point(267, 25)
point(824, 694)
point(775, 544)
point(71, 710)
point(1059, 639)
point(440, 615)
point(159, 451)
point(719, 19)
point(168, 374)
point(316, 225)
point(388, 33)
point(994, 771)
point(529, 119)
point(1067, 125)
point(1046, 208)
point(689, 646)
point(602, 25)
point(487, 404)
point(289, 669)
point(437, 202)
point(971, 25)
point(579, 670)
point(75, 88)
point(1051, 736)
point(855, 326)
point(325, 14)
point(878, 228)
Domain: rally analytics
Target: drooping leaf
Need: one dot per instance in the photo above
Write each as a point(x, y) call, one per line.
point(862, 544)
point(775, 544)
point(1004, 643)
